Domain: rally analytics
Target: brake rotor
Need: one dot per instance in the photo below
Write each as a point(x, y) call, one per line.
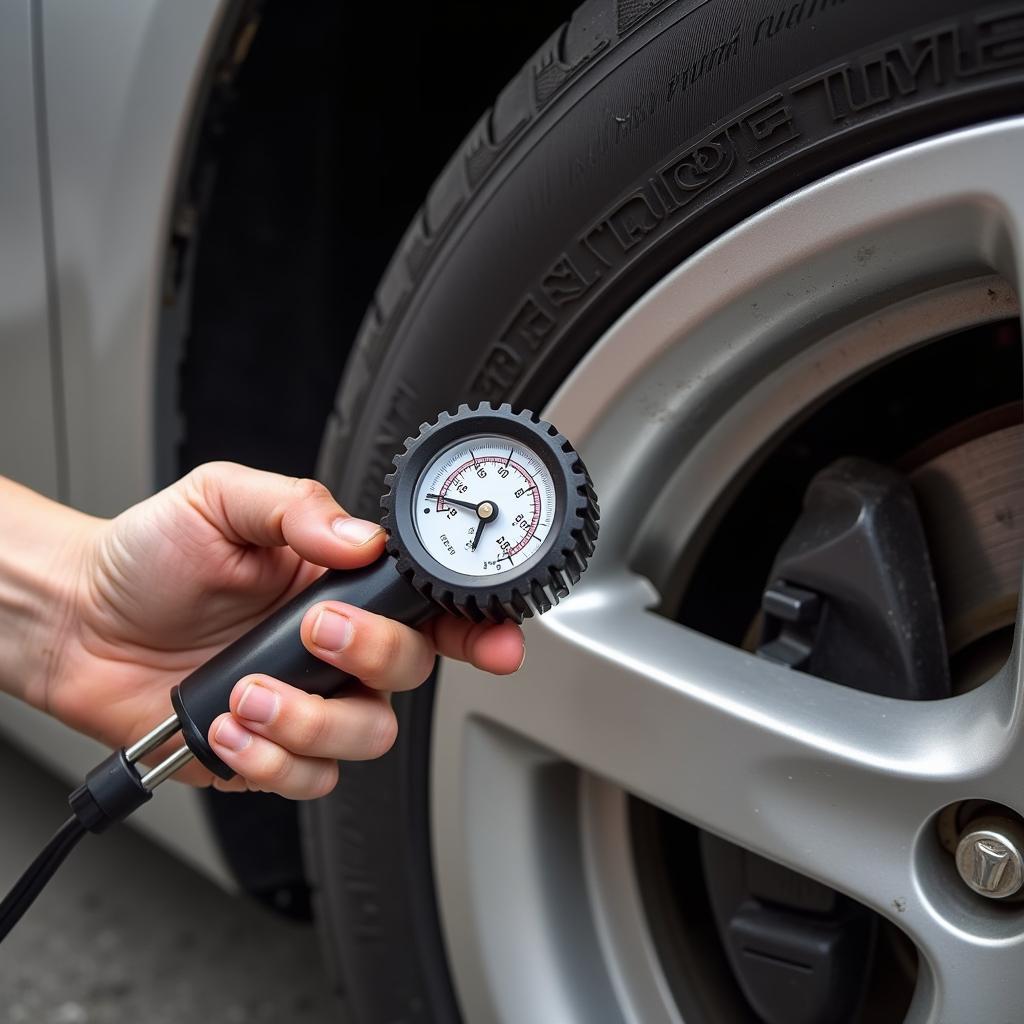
point(971, 501)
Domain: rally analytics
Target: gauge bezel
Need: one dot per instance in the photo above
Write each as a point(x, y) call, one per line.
point(563, 553)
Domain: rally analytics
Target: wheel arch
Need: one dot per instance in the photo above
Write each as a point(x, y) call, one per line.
point(271, 126)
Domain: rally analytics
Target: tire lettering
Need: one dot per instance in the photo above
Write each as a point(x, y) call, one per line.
point(718, 55)
point(978, 44)
point(388, 440)
point(499, 371)
point(567, 280)
point(632, 220)
point(789, 17)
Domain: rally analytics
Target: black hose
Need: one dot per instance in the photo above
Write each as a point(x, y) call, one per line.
point(38, 873)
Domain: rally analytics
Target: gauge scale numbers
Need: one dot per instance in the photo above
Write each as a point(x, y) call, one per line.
point(484, 506)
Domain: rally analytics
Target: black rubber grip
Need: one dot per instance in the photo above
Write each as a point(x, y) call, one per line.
point(274, 648)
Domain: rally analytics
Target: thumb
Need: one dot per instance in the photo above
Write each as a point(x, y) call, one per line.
point(251, 506)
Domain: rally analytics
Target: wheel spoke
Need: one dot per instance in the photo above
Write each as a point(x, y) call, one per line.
point(745, 748)
point(838, 784)
point(961, 973)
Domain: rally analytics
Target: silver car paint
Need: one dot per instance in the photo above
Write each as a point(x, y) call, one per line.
point(98, 96)
point(28, 434)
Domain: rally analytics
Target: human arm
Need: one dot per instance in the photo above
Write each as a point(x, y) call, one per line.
point(99, 618)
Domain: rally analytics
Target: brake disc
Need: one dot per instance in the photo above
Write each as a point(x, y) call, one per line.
point(971, 501)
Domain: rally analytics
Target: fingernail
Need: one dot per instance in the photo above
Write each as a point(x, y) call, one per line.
point(331, 631)
point(522, 660)
point(356, 531)
point(257, 703)
point(231, 735)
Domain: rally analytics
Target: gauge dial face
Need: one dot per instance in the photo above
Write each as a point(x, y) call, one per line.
point(484, 506)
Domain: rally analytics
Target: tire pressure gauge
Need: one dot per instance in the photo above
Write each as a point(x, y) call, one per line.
point(490, 515)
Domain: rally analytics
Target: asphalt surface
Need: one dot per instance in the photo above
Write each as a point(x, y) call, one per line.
point(126, 933)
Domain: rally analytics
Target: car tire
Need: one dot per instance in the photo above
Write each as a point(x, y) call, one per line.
point(639, 132)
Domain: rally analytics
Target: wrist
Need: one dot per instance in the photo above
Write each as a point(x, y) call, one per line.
point(43, 552)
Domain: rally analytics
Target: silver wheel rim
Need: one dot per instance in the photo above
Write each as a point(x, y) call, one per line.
point(538, 898)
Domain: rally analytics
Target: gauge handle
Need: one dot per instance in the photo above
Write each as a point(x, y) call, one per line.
point(274, 648)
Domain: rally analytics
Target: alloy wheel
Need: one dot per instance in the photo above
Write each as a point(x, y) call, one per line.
point(673, 410)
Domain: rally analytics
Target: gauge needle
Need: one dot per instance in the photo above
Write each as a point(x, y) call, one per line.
point(472, 506)
point(479, 531)
point(487, 511)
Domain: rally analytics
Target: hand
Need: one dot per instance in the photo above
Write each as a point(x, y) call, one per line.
point(171, 581)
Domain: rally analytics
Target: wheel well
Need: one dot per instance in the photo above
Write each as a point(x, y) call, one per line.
point(294, 190)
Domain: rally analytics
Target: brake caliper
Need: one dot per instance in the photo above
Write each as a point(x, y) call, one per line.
point(851, 599)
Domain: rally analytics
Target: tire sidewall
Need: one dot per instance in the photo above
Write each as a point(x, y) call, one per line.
point(628, 141)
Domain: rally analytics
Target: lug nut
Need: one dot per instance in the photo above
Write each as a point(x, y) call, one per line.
point(990, 857)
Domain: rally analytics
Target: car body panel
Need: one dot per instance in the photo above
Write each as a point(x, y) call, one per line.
point(28, 421)
point(115, 83)
point(118, 111)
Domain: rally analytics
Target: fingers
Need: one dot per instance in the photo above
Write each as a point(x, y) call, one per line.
point(255, 507)
point(356, 726)
point(281, 739)
point(497, 649)
point(271, 768)
point(387, 655)
point(384, 654)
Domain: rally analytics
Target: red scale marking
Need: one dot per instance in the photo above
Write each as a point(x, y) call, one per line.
point(525, 473)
